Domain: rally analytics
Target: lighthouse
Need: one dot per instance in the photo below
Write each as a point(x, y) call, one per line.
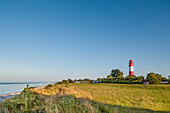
point(131, 67)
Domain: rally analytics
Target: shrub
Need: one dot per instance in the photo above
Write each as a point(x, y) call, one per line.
point(48, 86)
point(140, 79)
point(116, 73)
point(70, 81)
point(28, 88)
point(99, 79)
point(164, 79)
point(153, 78)
point(63, 82)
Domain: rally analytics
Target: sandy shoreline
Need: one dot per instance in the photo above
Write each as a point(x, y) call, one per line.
point(10, 95)
point(15, 93)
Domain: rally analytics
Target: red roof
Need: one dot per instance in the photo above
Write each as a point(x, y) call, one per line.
point(130, 60)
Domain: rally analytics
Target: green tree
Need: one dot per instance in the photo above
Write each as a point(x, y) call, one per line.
point(164, 79)
point(70, 81)
point(159, 77)
point(109, 77)
point(103, 79)
point(86, 79)
point(153, 78)
point(65, 82)
point(140, 79)
point(132, 77)
point(80, 80)
point(99, 79)
point(116, 73)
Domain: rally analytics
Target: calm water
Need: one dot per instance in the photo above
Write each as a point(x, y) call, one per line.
point(11, 87)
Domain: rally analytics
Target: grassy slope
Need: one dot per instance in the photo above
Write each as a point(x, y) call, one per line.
point(53, 99)
point(154, 97)
point(30, 102)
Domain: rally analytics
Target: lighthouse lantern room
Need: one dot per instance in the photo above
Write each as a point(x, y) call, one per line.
point(131, 67)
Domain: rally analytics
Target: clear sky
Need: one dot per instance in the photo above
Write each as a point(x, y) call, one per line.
point(50, 40)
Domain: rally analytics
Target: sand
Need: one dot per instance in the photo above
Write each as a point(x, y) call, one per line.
point(9, 95)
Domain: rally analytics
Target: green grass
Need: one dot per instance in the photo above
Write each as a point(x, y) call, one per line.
point(153, 97)
point(104, 98)
point(31, 102)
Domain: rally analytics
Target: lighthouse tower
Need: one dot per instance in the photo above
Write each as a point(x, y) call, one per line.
point(131, 67)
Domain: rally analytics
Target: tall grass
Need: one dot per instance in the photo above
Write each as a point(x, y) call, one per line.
point(31, 102)
point(51, 99)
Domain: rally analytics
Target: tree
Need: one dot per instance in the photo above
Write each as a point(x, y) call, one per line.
point(63, 82)
point(80, 80)
point(140, 79)
point(109, 77)
point(70, 81)
point(164, 79)
point(103, 79)
point(130, 77)
point(99, 79)
point(116, 73)
point(86, 79)
point(153, 78)
point(159, 77)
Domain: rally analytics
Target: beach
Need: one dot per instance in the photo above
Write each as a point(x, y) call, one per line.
point(9, 95)
point(9, 90)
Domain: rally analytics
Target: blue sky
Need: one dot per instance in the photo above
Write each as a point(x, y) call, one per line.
point(50, 40)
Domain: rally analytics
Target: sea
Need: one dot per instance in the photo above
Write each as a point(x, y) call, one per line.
point(11, 87)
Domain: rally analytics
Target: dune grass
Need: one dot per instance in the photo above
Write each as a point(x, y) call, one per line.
point(61, 90)
point(52, 99)
point(153, 97)
point(30, 102)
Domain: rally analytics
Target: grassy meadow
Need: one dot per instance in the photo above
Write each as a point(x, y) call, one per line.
point(91, 98)
point(153, 97)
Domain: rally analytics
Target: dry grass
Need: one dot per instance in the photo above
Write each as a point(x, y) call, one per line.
point(62, 90)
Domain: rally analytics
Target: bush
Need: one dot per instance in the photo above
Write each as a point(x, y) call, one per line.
point(164, 79)
point(140, 79)
point(63, 82)
point(153, 78)
point(48, 86)
point(116, 73)
point(70, 81)
point(28, 88)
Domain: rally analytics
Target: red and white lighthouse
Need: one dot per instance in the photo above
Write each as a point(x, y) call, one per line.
point(131, 67)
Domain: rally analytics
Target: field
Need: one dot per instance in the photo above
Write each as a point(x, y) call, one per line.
point(153, 97)
point(91, 98)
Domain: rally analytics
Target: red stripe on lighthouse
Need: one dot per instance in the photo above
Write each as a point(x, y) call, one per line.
point(131, 67)
point(131, 72)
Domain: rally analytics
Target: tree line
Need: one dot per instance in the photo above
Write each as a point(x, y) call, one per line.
point(116, 76)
